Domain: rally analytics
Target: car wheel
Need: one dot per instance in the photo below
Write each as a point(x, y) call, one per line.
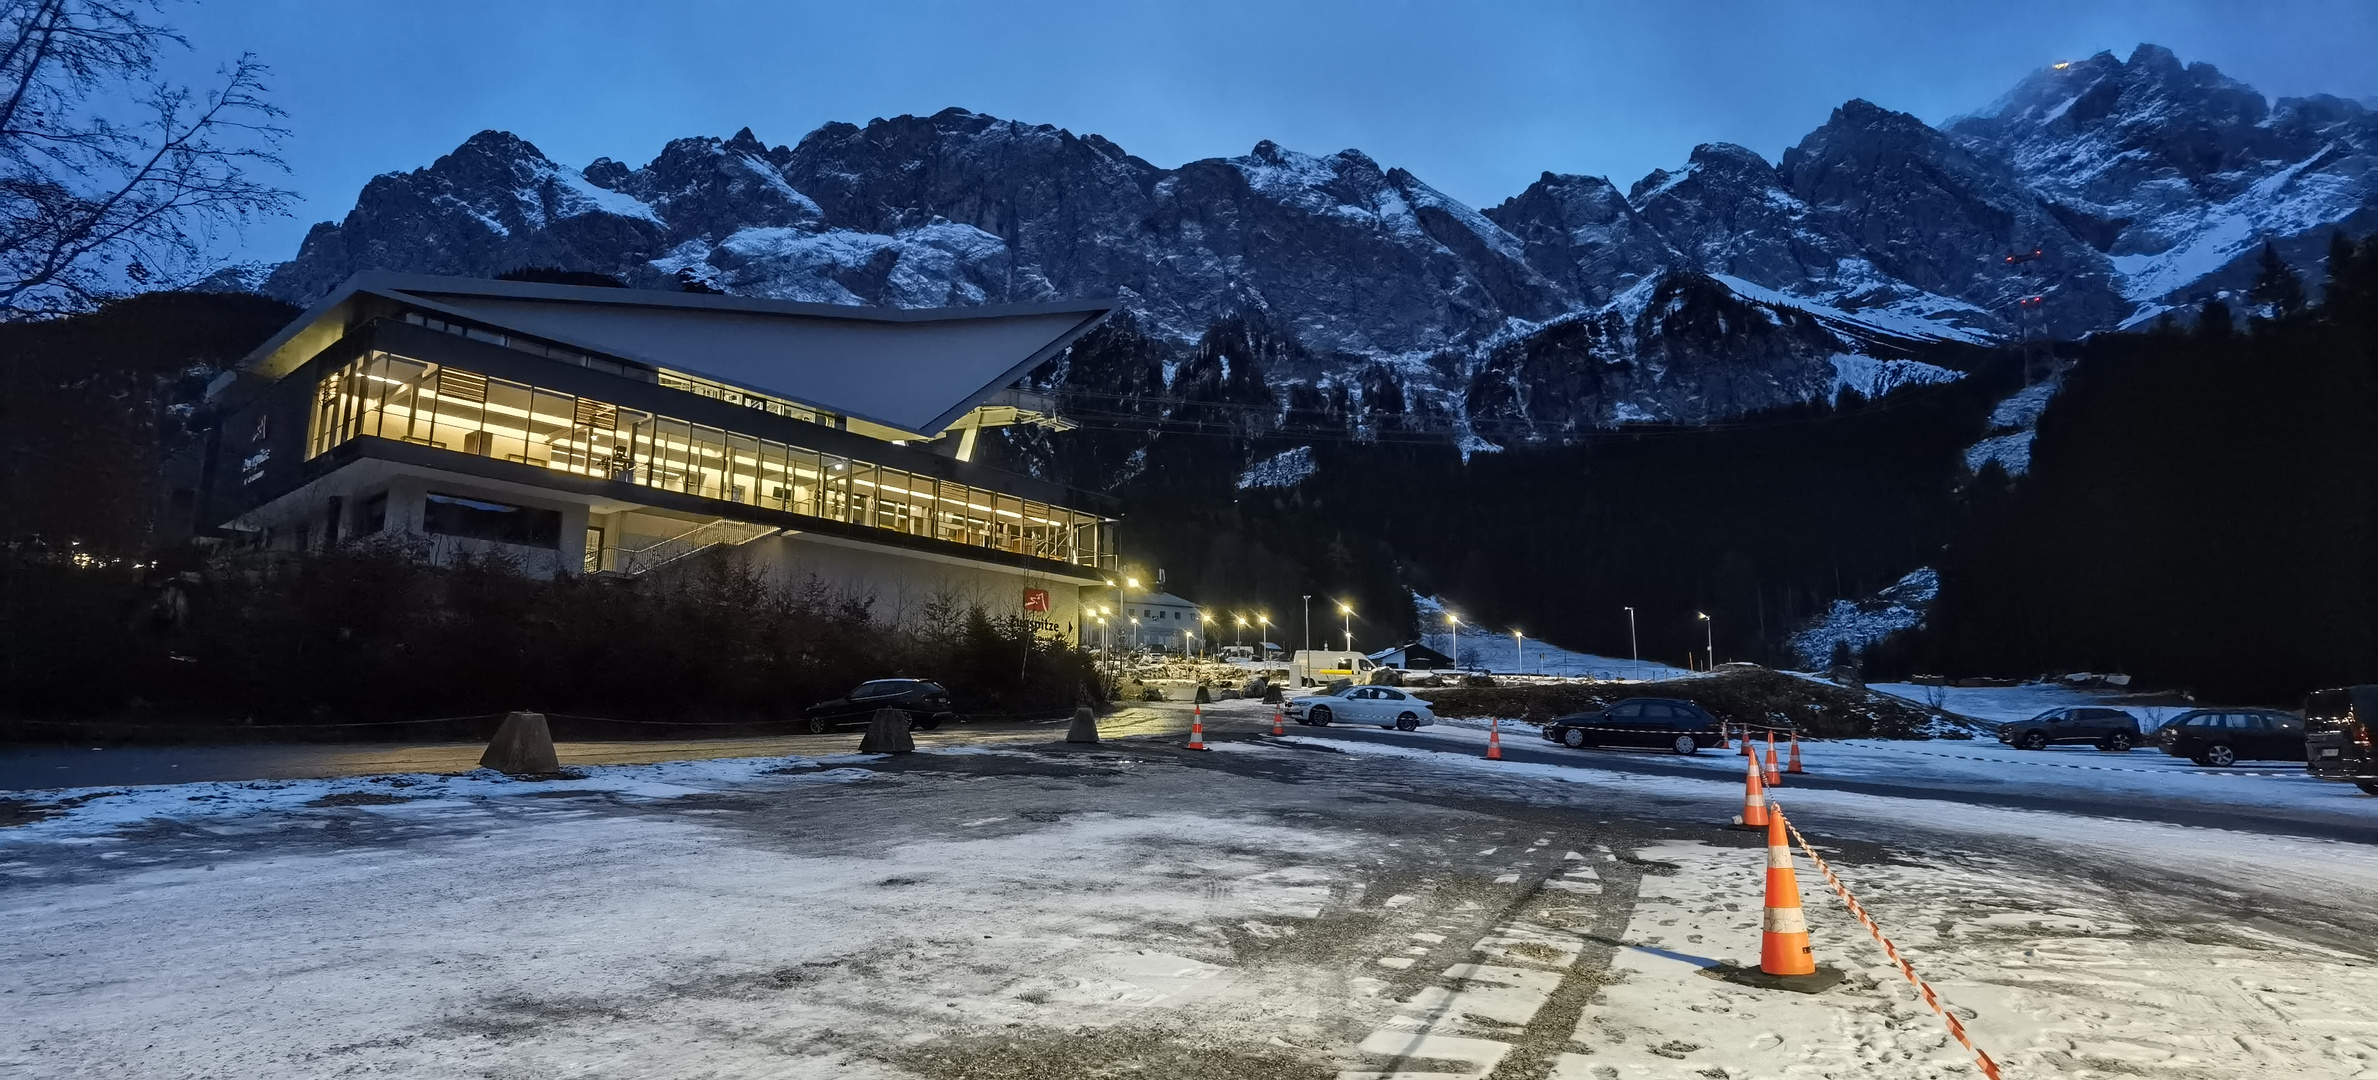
point(819, 725)
point(2220, 756)
point(926, 724)
point(2032, 740)
point(2117, 742)
point(1573, 738)
point(1407, 722)
point(2368, 787)
point(1320, 716)
point(1685, 745)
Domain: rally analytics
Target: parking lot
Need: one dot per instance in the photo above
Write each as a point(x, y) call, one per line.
point(1338, 903)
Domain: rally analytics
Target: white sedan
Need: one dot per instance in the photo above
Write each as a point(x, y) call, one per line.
point(1381, 705)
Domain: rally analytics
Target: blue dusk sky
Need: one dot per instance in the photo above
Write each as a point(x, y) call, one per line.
point(1475, 99)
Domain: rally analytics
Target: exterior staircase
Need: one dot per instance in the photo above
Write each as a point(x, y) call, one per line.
point(694, 541)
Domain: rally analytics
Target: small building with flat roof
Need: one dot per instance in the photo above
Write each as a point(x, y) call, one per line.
point(587, 430)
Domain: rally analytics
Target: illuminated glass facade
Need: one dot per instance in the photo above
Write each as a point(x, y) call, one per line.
point(430, 404)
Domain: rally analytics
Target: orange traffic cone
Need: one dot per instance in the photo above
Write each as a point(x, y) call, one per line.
point(1494, 740)
point(1794, 766)
point(1783, 939)
point(1746, 750)
point(1725, 736)
point(1754, 800)
point(1197, 728)
point(1278, 730)
point(1773, 777)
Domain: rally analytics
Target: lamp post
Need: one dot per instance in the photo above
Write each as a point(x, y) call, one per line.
point(1308, 649)
point(1455, 643)
point(1238, 637)
point(1634, 650)
point(1204, 636)
point(1348, 611)
point(1519, 643)
point(1709, 626)
point(1264, 624)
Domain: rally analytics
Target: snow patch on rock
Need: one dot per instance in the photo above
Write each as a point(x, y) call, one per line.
point(1285, 469)
point(1861, 623)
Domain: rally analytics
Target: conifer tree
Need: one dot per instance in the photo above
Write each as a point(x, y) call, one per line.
point(2343, 271)
point(2214, 320)
point(2278, 290)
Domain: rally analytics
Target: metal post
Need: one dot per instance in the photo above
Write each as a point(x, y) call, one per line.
point(1634, 648)
point(1306, 675)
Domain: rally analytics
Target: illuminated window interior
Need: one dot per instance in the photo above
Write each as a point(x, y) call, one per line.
point(395, 397)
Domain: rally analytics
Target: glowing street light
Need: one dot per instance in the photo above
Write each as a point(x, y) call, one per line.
point(1348, 611)
point(1519, 642)
point(1455, 623)
point(1709, 625)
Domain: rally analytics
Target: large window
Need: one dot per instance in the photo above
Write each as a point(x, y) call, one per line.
point(479, 519)
point(395, 397)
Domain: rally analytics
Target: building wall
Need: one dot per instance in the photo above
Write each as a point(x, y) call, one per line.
point(1162, 617)
point(903, 586)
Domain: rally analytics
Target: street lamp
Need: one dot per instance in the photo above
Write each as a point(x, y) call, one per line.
point(1634, 650)
point(1709, 625)
point(1204, 636)
point(1348, 611)
point(1519, 642)
point(1455, 644)
point(1238, 637)
point(1263, 623)
point(1304, 676)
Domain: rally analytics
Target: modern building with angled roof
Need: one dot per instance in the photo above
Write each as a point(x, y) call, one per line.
point(589, 430)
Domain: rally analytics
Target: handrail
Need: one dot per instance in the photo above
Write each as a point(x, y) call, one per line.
point(700, 538)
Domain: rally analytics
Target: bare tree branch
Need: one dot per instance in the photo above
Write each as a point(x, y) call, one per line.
point(91, 207)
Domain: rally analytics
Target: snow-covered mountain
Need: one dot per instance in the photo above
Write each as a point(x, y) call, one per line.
point(1726, 285)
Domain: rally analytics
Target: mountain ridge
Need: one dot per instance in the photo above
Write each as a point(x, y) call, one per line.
point(2137, 183)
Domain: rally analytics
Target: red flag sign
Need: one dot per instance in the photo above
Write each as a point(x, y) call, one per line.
point(1036, 599)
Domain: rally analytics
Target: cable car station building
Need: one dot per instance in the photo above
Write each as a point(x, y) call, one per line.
point(589, 430)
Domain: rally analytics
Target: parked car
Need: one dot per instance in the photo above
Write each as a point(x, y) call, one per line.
point(2337, 736)
point(1381, 705)
point(2106, 729)
point(2222, 736)
point(1318, 668)
point(1665, 723)
point(925, 702)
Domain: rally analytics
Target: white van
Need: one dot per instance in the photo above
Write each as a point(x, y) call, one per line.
point(1314, 667)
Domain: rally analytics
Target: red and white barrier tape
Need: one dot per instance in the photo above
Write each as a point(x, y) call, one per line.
point(1956, 1028)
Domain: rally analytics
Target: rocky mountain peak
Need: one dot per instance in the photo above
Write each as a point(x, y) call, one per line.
point(2135, 181)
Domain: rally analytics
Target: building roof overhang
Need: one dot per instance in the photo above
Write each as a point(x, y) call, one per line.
point(914, 370)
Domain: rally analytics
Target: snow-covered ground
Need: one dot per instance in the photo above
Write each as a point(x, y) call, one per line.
point(1496, 650)
point(2051, 979)
point(2002, 704)
point(1944, 765)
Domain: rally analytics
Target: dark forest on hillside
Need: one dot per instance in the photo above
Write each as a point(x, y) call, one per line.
point(2202, 510)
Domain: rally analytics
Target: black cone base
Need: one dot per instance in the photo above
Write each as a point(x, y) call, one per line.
point(1826, 978)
